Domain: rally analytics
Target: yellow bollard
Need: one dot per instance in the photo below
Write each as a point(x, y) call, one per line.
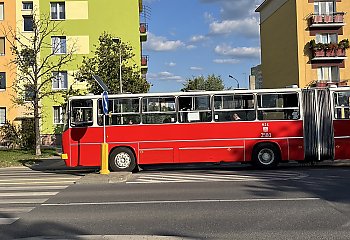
point(104, 159)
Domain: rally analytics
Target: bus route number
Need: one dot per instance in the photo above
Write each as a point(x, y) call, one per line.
point(265, 131)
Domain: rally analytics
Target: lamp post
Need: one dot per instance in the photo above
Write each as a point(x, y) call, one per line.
point(234, 79)
point(118, 41)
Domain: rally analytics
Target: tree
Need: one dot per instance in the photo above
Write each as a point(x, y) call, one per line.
point(36, 58)
point(105, 63)
point(211, 83)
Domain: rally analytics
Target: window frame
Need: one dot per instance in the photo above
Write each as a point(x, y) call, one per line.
point(4, 52)
point(60, 113)
point(27, 2)
point(59, 45)
point(184, 114)
point(277, 109)
point(169, 114)
point(57, 5)
point(24, 21)
point(59, 81)
point(4, 80)
point(2, 8)
point(114, 112)
point(234, 109)
point(323, 69)
point(341, 107)
point(4, 109)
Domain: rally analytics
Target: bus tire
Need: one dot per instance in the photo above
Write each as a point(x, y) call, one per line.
point(266, 156)
point(122, 159)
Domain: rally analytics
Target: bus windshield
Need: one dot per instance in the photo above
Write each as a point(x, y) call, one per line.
point(81, 113)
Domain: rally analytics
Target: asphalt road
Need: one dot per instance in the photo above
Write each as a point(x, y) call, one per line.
point(236, 203)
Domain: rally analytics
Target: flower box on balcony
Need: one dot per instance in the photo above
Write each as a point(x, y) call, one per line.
point(343, 83)
point(328, 18)
point(319, 53)
point(340, 52)
point(331, 53)
point(339, 18)
point(321, 83)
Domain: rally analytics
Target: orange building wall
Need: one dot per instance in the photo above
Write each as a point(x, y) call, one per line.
point(5, 95)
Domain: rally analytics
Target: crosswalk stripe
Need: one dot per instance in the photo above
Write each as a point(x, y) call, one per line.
point(28, 188)
point(16, 209)
point(37, 182)
point(6, 221)
point(24, 201)
point(25, 194)
point(35, 179)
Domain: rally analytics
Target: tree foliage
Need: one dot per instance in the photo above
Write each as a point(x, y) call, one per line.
point(105, 63)
point(211, 83)
point(34, 60)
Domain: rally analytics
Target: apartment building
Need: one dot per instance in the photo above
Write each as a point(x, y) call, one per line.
point(81, 22)
point(7, 72)
point(304, 42)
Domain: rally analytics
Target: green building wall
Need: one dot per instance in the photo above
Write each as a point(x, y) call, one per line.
point(85, 21)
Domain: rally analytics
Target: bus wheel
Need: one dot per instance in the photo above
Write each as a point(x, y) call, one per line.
point(266, 156)
point(122, 159)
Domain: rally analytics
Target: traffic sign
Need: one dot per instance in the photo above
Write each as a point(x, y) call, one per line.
point(100, 82)
point(105, 102)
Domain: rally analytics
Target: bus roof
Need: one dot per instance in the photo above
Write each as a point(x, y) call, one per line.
point(163, 94)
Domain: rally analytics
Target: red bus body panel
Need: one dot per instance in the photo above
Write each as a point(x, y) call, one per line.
point(342, 138)
point(185, 142)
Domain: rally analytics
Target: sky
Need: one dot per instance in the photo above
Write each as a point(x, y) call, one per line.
point(189, 38)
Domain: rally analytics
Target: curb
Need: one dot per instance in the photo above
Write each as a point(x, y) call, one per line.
point(96, 178)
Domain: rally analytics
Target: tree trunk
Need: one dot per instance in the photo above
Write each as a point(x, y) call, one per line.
point(37, 128)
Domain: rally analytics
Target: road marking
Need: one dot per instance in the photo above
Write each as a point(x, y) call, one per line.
point(28, 201)
point(57, 187)
point(182, 201)
point(16, 209)
point(24, 194)
point(5, 221)
point(36, 179)
point(213, 177)
point(39, 182)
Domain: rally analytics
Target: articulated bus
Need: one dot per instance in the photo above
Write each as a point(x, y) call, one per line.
point(263, 127)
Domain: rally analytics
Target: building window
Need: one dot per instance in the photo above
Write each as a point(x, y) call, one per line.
point(326, 38)
point(28, 23)
point(58, 115)
point(1, 11)
point(59, 45)
point(2, 80)
point(330, 74)
point(324, 8)
point(28, 94)
point(59, 80)
point(2, 45)
point(58, 11)
point(27, 5)
point(2, 116)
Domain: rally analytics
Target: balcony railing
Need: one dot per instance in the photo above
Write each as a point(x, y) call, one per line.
point(330, 83)
point(329, 54)
point(327, 20)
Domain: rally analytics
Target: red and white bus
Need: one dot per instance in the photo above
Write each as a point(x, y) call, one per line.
point(263, 127)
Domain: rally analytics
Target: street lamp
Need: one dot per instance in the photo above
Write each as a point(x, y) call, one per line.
point(234, 79)
point(118, 41)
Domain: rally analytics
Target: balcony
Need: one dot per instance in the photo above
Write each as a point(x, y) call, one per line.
point(143, 32)
point(329, 83)
point(329, 51)
point(144, 64)
point(328, 20)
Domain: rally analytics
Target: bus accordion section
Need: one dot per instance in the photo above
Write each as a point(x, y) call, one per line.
point(263, 127)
